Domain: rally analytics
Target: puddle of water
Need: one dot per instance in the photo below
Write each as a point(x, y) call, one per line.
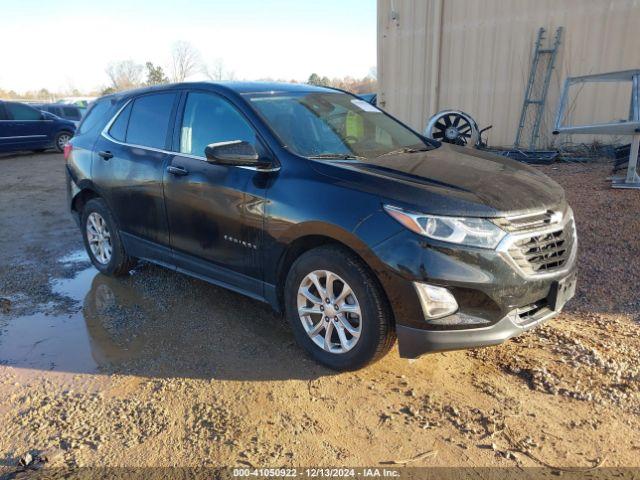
point(52, 342)
point(153, 323)
point(46, 343)
point(77, 287)
point(74, 257)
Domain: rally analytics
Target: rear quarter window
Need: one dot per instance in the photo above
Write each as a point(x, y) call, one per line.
point(95, 116)
point(118, 130)
point(149, 120)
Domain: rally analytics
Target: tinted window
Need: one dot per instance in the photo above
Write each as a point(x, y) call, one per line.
point(94, 116)
point(55, 111)
point(118, 128)
point(210, 119)
point(18, 111)
point(71, 112)
point(149, 120)
point(3, 116)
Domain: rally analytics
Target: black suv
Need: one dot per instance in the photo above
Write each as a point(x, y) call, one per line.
point(327, 208)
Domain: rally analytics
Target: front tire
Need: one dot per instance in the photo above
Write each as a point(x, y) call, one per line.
point(337, 309)
point(62, 138)
point(102, 240)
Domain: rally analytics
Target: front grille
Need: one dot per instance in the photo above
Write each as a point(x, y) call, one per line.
point(547, 252)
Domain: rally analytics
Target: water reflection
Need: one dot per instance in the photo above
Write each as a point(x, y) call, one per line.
point(156, 323)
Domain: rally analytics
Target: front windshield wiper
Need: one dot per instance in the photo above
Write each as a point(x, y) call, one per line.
point(404, 150)
point(337, 156)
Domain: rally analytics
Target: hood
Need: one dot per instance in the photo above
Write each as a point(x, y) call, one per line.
point(452, 180)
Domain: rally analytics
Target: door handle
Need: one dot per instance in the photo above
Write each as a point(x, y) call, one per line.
point(177, 171)
point(106, 155)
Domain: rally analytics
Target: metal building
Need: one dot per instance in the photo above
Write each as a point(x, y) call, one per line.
point(475, 55)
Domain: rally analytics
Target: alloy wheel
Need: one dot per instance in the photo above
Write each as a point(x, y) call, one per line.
point(63, 139)
point(329, 311)
point(99, 238)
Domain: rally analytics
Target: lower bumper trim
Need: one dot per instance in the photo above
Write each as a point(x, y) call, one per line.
point(413, 342)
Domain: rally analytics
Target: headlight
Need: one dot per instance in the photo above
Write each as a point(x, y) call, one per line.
point(475, 232)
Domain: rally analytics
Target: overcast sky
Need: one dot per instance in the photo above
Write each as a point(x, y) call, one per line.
point(68, 43)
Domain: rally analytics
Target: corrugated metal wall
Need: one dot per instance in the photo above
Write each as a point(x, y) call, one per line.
point(475, 55)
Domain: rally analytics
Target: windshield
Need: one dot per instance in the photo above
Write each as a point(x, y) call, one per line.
point(333, 125)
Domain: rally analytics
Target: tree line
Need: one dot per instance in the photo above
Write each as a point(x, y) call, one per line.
point(185, 61)
point(368, 84)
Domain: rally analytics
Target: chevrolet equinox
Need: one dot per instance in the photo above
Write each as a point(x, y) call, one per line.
point(332, 211)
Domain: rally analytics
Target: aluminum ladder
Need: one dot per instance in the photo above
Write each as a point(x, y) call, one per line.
point(538, 103)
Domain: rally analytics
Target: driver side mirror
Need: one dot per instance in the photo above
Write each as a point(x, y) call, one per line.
point(235, 152)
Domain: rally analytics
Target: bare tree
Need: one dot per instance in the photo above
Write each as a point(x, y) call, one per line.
point(124, 74)
point(185, 61)
point(216, 71)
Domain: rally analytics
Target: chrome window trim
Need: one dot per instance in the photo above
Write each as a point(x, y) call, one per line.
point(105, 134)
point(507, 242)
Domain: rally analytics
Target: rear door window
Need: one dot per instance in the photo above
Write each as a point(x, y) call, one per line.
point(208, 119)
point(18, 111)
point(149, 120)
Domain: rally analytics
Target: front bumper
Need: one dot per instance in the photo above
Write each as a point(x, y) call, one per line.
point(492, 292)
point(413, 342)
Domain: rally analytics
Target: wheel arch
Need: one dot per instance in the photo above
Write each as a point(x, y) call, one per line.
point(87, 192)
point(62, 130)
point(320, 237)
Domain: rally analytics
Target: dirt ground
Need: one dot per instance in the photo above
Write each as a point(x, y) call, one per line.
point(159, 369)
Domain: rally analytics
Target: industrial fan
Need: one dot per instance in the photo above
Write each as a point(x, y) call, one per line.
point(453, 126)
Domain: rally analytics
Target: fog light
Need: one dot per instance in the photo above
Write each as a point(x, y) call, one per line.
point(436, 302)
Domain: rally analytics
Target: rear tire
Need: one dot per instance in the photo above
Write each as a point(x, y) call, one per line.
point(102, 240)
point(368, 335)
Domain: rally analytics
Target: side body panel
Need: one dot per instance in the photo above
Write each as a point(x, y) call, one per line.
point(131, 182)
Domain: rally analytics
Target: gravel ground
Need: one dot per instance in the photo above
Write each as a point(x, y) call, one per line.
point(162, 370)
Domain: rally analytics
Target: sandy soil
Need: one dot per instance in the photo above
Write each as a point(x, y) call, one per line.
point(162, 370)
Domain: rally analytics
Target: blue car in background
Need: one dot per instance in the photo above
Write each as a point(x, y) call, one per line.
point(65, 111)
point(25, 128)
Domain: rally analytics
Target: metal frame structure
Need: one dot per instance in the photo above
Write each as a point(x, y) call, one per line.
point(629, 127)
